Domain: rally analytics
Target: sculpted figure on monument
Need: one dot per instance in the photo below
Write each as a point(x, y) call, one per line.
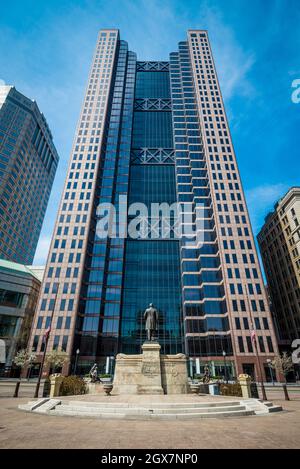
point(206, 376)
point(94, 373)
point(151, 318)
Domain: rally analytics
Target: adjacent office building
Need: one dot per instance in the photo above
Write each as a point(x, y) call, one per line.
point(19, 290)
point(154, 132)
point(28, 161)
point(279, 241)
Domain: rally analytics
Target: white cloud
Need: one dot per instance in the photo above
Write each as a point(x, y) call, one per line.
point(233, 63)
point(42, 250)
point(261, 200)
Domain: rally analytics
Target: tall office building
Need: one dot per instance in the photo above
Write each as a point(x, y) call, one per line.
point(279, 241)
point(28, 161)
point(154, 132)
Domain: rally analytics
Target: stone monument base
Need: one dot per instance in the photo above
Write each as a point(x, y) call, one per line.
point(150, 372)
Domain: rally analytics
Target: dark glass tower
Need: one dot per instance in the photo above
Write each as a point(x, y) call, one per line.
point(152, 180)
point(154, 132)
point(28, 162)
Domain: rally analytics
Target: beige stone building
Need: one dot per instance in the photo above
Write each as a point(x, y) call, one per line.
point(155, 131)
point(279, 241)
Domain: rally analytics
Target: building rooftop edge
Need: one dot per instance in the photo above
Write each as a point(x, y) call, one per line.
point(36, 111)
point(280, 202)
point(25, 269)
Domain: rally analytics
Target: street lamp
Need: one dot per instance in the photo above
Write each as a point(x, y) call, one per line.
point(269, 361)
point(45, 340)
point(253, 339)
point(225, 368)
point(76, 360)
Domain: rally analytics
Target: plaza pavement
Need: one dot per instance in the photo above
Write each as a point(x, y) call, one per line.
point(26, 430)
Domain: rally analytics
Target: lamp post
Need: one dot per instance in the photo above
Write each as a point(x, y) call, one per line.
point(46, 340)
point(254, 342)
point(269, 361)
point(225, 368)
point(76, 360)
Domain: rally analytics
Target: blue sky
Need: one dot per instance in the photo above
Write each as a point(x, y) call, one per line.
point(46, 49)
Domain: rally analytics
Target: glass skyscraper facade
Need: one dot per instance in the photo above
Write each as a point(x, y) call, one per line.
point(154, 133)
point(28, 162)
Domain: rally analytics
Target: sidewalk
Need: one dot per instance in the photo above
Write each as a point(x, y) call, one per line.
point(25, 430)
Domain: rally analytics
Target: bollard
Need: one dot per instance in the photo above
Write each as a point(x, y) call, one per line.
point(55, 384)
point(245, 383)
point(17, 388)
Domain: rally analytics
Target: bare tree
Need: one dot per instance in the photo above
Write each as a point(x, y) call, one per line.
point(283, 364)
point(24, 358)
point(56, 359)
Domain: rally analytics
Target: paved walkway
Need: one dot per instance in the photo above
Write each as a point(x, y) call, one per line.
point(25, 430)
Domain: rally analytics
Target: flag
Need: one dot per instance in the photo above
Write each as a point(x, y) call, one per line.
point(47, 333)
point(253, 335)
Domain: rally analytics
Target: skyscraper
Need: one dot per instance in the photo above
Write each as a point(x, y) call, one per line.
point(154, 132)
point(279, 241)
point(28, 161)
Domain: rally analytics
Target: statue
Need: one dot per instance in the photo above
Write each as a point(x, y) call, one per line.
point(94, 373)
point(151, 317)
point(206, 376)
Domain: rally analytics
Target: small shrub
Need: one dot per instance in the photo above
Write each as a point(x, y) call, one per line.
point(231, 389)
point(72, 385)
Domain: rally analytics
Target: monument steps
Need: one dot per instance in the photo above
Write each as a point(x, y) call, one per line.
point(149, 409)
point(152, 405)
point(146, 410)
point(260, 406)
point(153, 416)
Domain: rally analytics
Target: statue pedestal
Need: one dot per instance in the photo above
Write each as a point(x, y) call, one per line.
point(150, 372)
point(150, 378)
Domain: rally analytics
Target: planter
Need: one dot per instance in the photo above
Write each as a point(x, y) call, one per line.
point(231, 389)
point(108, 388)
point(203, 388)
point(194, 388)
point(105, 380)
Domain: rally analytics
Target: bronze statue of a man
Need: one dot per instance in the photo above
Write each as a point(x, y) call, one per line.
point(151, 317)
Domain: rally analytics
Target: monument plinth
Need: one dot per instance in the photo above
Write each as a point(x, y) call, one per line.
point(150, 379)
point(150, 372)
point(139, 374)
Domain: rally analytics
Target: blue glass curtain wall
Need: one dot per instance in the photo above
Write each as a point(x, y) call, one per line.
point(152, 267)
point(206, 325)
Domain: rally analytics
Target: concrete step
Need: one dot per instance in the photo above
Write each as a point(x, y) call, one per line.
point(275, 408)
point(33, 405)
point(47, 406)
point(152, 405)
point(153, 416)
point(261, 407)
point(146, 410)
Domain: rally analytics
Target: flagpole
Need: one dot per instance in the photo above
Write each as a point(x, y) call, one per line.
point(47, 335)
point(253, 338)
